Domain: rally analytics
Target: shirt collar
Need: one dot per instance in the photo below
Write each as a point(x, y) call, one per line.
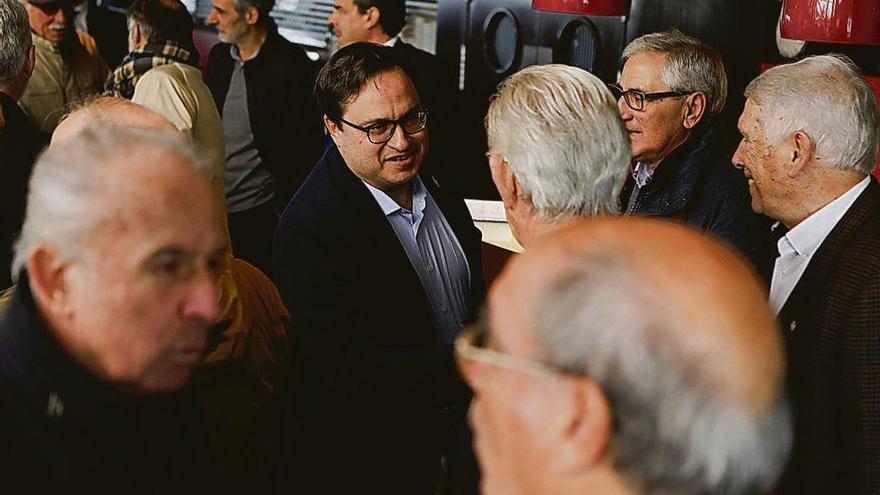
point(642, 174)
point(391, 42)
point(233, 52)
point(390, 206)
point(40, 41)
point(808, 235)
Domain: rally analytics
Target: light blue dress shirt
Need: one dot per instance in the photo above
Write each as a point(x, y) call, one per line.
point(434, 253)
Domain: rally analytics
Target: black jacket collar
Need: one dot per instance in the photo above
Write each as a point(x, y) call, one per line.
point(34, 364)
point(676, 177)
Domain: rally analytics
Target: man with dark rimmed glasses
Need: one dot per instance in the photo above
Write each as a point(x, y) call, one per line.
point(379, 265)
point(671, 89)
point(595, 369)
point(68, 67)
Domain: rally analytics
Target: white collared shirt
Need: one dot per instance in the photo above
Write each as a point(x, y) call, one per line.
point(797, 247)
point(434, 253)
point(642, 174)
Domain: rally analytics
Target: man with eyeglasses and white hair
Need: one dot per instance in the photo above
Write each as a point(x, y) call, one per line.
point(810, 140)
point(555, 159)
point(68, 66)
point(672, 88)
point(380, 267)
point(596, 370)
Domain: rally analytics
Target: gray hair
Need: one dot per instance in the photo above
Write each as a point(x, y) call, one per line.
point(826, 97)
point(65, 190)
point(264, 7)
point(15, 37)
point(674, 432)
point(691, 65)
point(560, 131)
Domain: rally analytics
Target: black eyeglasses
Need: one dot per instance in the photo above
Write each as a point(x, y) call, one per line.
point(381, 131)
point(636, 99)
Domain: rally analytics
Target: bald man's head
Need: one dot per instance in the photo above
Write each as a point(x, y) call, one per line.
point(672, 360)
point(113, 111)
point(110, 110)
point(691, 290)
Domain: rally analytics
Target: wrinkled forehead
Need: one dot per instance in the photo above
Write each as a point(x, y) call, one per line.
point(750, 121)
point(644, 71)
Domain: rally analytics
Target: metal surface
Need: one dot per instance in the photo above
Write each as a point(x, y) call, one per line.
point(854, 22)
point(584, 7)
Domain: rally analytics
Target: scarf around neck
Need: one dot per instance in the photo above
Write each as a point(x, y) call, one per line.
point(125, 77)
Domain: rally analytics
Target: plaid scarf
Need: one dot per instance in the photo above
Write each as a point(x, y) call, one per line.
point(123, 80)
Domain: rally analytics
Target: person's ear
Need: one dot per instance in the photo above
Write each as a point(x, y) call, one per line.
point(802, 149)
point(135, 35)
point(332, 128)
point(251, 16)
point(695, 107)
point(371, 17)
point(30, 62)
point(504, 179)
point(588, 434)
point(47, 274)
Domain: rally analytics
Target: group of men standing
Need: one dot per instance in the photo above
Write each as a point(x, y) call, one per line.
point(617, 355)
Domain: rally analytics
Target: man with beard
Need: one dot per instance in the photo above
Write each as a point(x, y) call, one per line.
point(262, 86)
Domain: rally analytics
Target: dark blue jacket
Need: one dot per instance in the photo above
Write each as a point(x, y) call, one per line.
point(697, 184)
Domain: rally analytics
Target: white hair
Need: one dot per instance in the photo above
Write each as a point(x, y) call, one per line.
point(64, 204)
point(674, 432)
point(15, 38)
point(560, 131)
point(691, 65)
point(826, 97)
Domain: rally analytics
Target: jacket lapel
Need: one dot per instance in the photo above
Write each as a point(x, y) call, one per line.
point(815, 278)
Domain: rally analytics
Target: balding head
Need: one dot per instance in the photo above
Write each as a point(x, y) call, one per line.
point(118, 112)
point(109, 110)
point(673, 367)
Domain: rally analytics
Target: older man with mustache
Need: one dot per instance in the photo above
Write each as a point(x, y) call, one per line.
point(68, 66)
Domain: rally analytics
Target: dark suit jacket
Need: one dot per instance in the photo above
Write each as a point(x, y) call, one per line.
point(377, 396)
point(831, 324)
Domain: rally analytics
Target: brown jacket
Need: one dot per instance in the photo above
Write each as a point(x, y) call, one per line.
point(831, 326)
point(62, 76)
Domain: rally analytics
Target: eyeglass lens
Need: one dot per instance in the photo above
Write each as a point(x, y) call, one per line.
point(634, 99)
point(411, 124)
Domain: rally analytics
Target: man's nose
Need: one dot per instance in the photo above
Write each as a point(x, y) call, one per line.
point(400, 139)
point(202, 302)
point(212, 18)
point(737, 156)
point(623, 108)
point(470, 371)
